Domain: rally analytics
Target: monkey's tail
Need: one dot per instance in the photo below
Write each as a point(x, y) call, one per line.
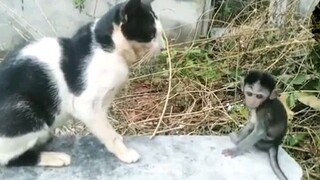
point(273, 156)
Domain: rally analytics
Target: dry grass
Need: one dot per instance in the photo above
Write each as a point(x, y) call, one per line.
point(204, 98)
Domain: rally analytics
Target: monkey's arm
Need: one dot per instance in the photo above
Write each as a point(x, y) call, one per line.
point(244, 132)
point(257, 134)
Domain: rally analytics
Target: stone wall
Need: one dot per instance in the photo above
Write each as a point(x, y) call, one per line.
point(183, 20)
point(23, 19)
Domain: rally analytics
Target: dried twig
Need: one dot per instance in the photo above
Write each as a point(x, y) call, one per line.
point(169, 86)
point(46, 18)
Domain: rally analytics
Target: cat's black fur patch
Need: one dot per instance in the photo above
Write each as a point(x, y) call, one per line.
point(26, 83)
point(134, 28)
point(77, 49)
point(74, 58)
point(104, 28)
point(29, 158)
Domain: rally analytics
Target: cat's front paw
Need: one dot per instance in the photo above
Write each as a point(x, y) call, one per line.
point(118, 137)
point(129, 156)
point(233, 137)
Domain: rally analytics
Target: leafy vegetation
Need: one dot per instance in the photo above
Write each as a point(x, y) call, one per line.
point(79, 4)
point(205, 98)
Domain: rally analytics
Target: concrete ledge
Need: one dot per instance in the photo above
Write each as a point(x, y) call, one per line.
point(165, 157)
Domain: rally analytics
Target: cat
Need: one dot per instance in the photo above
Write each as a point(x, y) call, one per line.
point(46, 81)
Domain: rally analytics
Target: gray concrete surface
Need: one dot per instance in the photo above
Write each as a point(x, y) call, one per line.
point(165, 157)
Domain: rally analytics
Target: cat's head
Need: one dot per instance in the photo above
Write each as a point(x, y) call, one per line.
point(141, 29)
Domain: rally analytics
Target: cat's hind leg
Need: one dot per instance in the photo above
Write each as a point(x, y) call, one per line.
point(24, 129)
point(23, 151)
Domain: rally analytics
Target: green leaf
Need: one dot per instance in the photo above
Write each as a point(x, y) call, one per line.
point(299, 79)
point(195, 51)
point(294, 140)
point(291, 101)
point(284, 98)
point(309, 100)
point(79, 4)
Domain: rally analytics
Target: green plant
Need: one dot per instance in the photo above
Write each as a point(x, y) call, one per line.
point(79, 4)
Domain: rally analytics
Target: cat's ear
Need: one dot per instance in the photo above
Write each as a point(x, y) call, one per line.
point(131, 7)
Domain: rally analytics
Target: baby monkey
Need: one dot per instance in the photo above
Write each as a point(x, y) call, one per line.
point(267, 125)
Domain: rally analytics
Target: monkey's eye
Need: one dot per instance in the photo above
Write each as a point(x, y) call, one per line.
point(249, 93)
point(259, 96)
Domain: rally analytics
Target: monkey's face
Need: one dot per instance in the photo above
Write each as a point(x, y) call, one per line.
point(255, 95)
point(253, 100)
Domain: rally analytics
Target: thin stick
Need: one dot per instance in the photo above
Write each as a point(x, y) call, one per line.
point(16, 18)
point(95, 8)
point(169, 87)
point(46, 18)
point(224, 111)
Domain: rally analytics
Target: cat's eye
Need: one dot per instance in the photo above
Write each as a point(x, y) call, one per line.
point(153, 34)
point(259, 96)
point(249, 93)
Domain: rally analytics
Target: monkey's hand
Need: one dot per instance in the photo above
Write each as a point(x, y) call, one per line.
point(234, 138)
point(232, 152)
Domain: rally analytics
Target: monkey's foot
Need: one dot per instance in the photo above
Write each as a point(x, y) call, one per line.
point(232, 152)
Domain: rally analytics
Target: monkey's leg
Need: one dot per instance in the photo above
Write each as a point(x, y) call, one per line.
point(257, 134)
point(264, 145)
point(244, 132)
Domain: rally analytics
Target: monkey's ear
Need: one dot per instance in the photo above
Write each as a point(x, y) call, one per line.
point(275, 93)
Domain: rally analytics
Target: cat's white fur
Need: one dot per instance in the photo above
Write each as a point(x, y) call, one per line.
point(105, 75)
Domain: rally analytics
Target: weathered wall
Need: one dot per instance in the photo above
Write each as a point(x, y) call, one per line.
point(37, 18)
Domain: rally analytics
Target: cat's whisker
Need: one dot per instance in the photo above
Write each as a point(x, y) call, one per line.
point(144, 59)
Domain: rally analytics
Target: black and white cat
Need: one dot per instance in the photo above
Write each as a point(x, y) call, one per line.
point(46, 81)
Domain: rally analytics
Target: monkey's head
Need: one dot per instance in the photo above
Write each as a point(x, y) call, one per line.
point(258, 87)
